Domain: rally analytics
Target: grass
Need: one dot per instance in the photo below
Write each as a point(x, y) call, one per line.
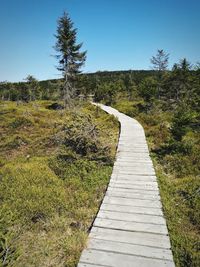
point(50, 191)
point(177, 167)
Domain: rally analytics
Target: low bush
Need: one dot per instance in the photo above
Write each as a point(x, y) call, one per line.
point(15, 142)
point(130, 108)
point(21, 122)
point(31, 190)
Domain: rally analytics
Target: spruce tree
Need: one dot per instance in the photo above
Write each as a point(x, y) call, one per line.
point(33, 87)
point(160, 64)
point(160, 61)
point(69, 55)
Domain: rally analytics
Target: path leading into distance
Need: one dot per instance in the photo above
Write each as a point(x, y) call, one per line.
point(129, 230)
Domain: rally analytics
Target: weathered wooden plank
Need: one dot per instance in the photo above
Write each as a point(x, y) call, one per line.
point(132, 202)
point(130, 249)
point(132, 209)
point(131, 226)
point(138, 182)
point(134, 191)
point(112, 259)
point(137, 238)
point(134, 186)
point(133, 163)
point(133, 178)
point(131, 217)
point(136, 171)
point(115, 193)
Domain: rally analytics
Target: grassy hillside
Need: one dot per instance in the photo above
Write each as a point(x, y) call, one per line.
point(55, 166)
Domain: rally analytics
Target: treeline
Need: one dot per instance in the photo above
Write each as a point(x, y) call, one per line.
point(31, 89)
point(181, 84)
point(90, 83)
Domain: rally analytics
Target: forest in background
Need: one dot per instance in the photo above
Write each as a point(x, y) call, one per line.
point(167, 104)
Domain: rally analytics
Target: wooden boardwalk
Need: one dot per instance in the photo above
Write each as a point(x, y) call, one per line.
point(129, 230)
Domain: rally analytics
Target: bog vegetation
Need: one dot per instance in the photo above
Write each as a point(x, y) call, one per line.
point(56, 159)
point(55, 166)
point(167, 105)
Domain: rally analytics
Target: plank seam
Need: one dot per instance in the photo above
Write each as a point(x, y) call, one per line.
point(114, 211)
point(104, 202)
point(99, 216)
point(131, 231)
point(161, 248)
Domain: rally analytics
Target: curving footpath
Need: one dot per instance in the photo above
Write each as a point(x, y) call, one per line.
point(129, 230)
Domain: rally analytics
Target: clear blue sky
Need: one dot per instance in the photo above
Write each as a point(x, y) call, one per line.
point(118, 34)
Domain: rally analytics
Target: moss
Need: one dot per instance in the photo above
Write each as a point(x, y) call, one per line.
point(15, 142)
point(21, 122)
point(50, 191)
point(181, 209)
point(31, 190)
point(130, 108)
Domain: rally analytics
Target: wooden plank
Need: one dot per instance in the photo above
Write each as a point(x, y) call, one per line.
point(112, 259)
point(134, 186)
point(133, 176)
point(131, 226)
point(132, 202)
point(115, 178)
point(134, 191)
point(132, 209)
point(130, 249)
point(115, 193)
point(131, 217)
point(137, 238)
point(135, 182)
point(135, 171)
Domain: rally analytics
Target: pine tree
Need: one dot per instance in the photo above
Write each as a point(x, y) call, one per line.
point(69, 55)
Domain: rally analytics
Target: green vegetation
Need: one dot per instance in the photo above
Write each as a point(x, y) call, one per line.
point(55, 166)
point(55, 162)
point(167, 104)
point(171, 122)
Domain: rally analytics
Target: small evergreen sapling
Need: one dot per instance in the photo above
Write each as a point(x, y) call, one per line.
point(160, 64)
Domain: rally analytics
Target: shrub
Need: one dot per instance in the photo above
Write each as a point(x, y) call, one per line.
point(16, 141)
point(182, 122)
point(31, 190)
point(128, 107)
point(20, 122)
point(82, 136)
